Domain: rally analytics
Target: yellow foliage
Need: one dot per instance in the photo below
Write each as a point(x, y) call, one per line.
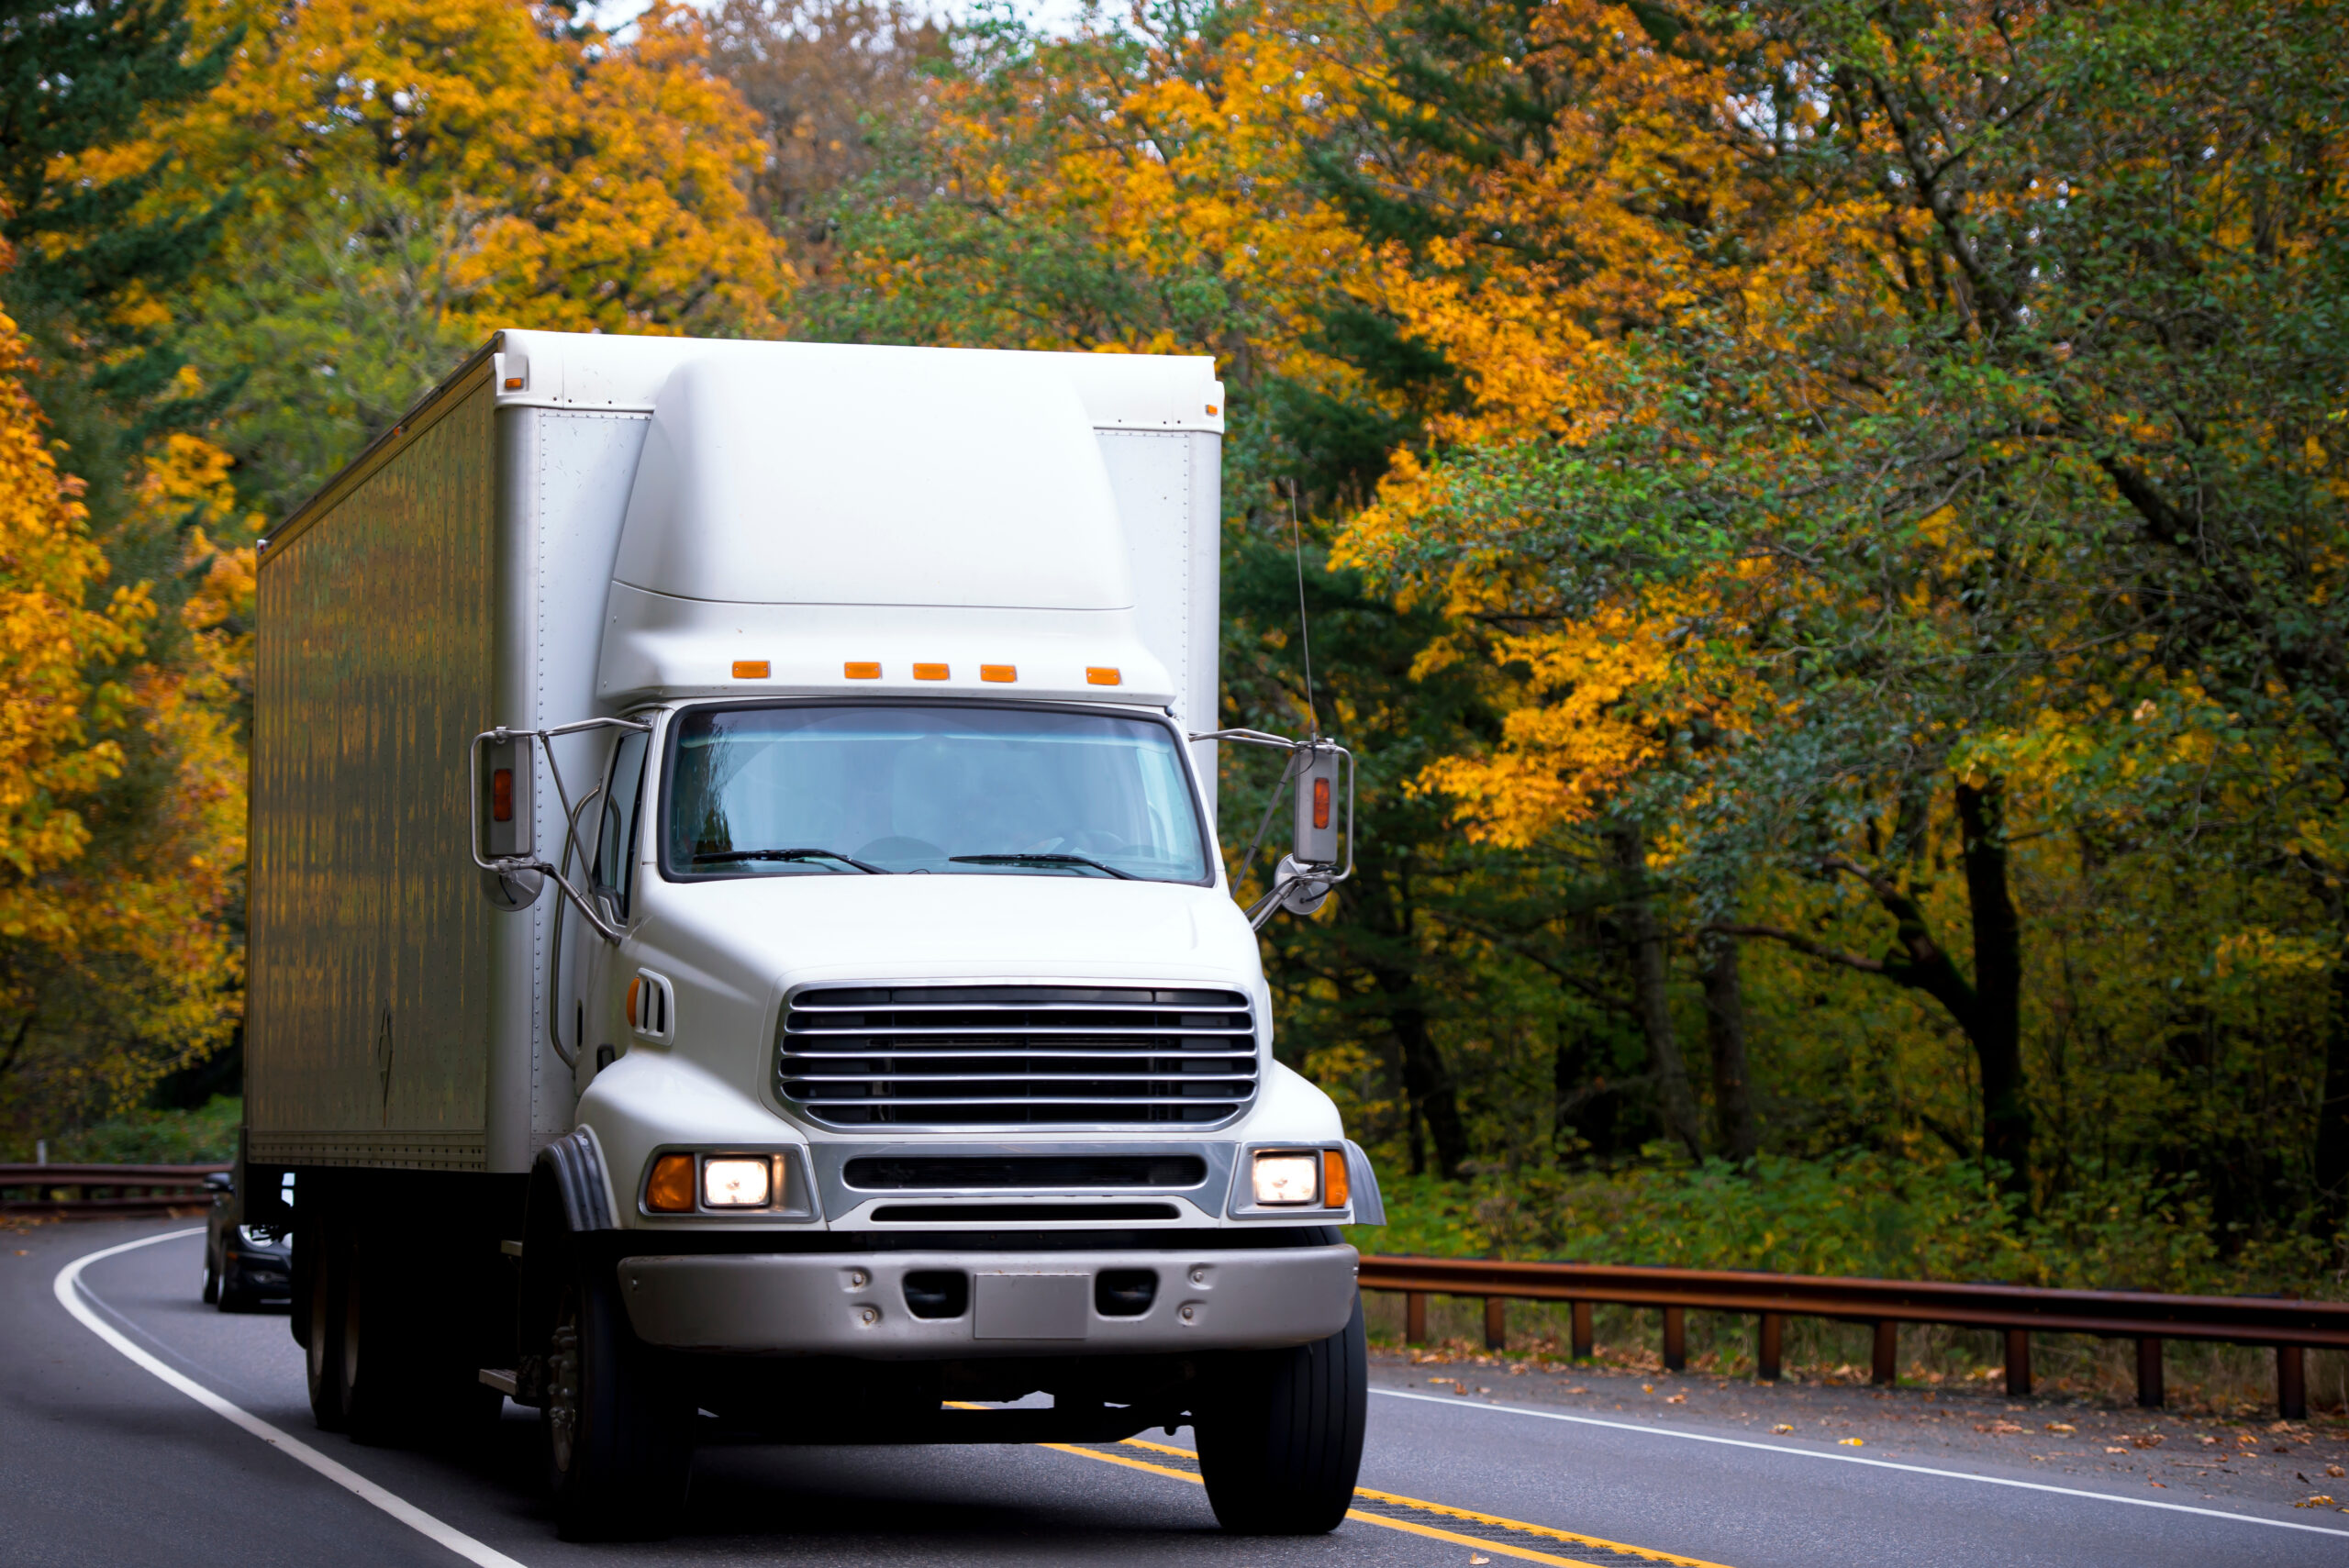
point(78, 706)
point(588, 187)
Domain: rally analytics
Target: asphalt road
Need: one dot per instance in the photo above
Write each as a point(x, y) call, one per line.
point(104, 1460)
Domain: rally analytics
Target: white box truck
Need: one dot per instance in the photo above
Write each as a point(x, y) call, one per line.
point(737, 937)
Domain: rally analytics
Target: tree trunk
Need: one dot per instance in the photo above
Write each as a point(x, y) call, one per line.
point(1996, 1026)
point(1426, 1080)
point(1649, 985)
point(1725, 1030)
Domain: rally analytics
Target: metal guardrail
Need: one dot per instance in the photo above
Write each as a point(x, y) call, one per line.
point(2149, 1317)
point(129, 1191)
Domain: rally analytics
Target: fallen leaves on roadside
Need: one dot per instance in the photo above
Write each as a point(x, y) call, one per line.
point(2317, 1500)
point(1677, 1399)
point(1997, 1429)
point(2333, 1469)
point(2063, 1427)
point(1851, 1442)
point(1782, 1428)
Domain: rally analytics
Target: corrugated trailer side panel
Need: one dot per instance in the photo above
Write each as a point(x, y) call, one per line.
point(367, 1034)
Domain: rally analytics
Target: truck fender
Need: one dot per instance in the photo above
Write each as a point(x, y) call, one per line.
point(1369, 1208)
point(573, 1167)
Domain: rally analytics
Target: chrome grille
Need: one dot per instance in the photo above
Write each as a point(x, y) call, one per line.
point(1016, 1055)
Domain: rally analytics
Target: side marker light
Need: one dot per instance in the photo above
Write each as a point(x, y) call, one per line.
point(1321, 803)
point(862, 670)
point(1102, 675)
point(750, 669)
point(514, 384)
point(671, 1190)
point(930, 672)
point(998, 673)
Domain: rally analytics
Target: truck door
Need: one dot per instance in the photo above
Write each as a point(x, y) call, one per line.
point(611, 883)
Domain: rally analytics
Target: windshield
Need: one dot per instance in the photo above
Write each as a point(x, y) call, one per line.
point(816, 791)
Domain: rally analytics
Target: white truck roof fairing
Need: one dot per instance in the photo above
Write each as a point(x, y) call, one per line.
point(837, 521)
point(591, 371)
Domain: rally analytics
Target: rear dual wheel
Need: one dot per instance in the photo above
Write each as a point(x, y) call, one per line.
point(619, 1425)
point(1280, 1434)
point(383, 1361)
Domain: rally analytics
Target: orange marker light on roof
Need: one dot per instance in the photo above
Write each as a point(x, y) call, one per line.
point(930, 672)
point(861, 668)
point(1102, 675)
point(998, 673)
point(750, 669)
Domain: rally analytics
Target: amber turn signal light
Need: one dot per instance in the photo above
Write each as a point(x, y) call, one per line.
point(862, 670)
point(671, 1190)
point(1334, 1178)
point(1101, 676)
point(750, 669)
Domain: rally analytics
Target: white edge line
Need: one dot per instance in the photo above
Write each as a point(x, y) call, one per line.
point(70, 1289)
point(1456, 1404)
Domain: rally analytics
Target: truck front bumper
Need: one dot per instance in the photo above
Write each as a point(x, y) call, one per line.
point(1012, 1304)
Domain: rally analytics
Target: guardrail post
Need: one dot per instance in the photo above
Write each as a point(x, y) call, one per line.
point(2291, 1389)
point(1767, 1353)
point(2149, 1373)
point(1885, 1367)
point(1415, 1318)
point(1496, 1323)
point(1585, 1344)
point(1675, 1338)
point(2018, 1363)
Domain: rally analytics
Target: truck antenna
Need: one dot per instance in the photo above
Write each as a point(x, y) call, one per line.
point(1304, 628)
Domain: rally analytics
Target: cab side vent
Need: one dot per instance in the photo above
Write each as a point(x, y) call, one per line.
point(964, 1056)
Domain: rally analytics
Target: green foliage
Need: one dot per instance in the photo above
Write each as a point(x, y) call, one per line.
point(1855, 1213)
point(203, 1136)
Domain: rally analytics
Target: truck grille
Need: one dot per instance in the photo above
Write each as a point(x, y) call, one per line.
point(1016, 1055)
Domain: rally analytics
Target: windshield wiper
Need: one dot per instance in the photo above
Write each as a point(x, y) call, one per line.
point(1042, 860)
point(736, 857)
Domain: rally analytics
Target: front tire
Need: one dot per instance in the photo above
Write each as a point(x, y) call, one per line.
point(1280, 1434)
point(618, 1431)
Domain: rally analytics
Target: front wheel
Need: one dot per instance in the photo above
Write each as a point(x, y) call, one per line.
point(618, 1431)
point(1280, 1434)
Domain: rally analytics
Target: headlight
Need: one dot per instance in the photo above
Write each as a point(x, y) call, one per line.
point(736, 1183)
point(1288, 1181)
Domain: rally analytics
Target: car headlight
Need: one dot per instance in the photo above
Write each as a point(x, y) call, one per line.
point(736, 1183)
point(1288, 1181)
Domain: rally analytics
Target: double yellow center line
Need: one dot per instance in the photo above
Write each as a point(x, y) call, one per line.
point(1462, 1526)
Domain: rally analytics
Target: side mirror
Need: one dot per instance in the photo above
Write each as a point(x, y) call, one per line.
point(1317, 837)
point(505, 819)
point(1322, 848)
